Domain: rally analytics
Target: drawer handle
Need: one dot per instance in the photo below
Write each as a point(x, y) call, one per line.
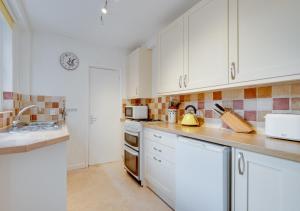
point(159, 150)
point(157, 159)
point(241, 163)
point(156, 136)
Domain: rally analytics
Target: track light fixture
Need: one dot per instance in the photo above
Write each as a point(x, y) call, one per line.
point(104, 9)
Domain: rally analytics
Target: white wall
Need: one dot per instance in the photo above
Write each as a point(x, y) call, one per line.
point(48, 78)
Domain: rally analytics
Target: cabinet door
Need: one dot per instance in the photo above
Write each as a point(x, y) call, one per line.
point(264, 38)
point(265, 183)
point(133, 75)
point(170, 58)
point(206, 28)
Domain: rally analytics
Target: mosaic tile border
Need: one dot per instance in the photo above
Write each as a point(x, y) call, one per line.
point(252, 104)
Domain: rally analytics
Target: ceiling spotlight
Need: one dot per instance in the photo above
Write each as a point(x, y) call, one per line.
point(104, 9)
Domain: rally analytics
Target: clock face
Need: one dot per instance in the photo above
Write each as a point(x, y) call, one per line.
point(69, 61)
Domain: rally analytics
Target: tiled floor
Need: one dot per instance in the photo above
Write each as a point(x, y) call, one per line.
point(108, 188)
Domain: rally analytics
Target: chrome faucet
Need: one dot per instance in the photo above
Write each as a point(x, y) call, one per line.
point(17, 118)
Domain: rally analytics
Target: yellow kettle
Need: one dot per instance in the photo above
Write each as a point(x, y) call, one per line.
point(190, 119)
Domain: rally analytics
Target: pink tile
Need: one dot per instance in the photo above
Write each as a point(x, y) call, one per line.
point(200, 105)
point(208, 114)
point(281, 104)
point(250, 115)
point(238, 104)
point(7, 95)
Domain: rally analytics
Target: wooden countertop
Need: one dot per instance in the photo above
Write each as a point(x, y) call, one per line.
point(30, 140)
point(252, 142)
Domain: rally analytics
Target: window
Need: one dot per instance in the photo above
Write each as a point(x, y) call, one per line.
point(6, 65)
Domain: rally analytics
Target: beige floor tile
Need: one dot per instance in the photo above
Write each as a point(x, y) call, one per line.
point(109, 188)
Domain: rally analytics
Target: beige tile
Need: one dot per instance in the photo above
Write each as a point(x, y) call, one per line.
point(233, 94)
point(281, 90)
point(295, 90)
point(208, 96)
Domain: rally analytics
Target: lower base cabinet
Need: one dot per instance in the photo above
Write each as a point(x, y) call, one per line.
point(265, 183)
point(160, 164)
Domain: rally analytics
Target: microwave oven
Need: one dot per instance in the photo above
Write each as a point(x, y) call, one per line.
point(136, 112)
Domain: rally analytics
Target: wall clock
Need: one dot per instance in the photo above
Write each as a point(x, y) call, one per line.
point(69, 61)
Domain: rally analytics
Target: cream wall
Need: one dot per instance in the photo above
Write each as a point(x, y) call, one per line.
point(48, 78)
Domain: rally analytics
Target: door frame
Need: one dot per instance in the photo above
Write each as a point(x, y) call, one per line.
point(89, 100)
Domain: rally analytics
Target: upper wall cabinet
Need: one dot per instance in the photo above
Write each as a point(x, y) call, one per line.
point(170, 57)
point(139, 75)
point(264, 39)
point(206, 34)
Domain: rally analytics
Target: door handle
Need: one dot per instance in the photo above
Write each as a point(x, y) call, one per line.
point(156, 136)
point(241, 163)
point(233, 71)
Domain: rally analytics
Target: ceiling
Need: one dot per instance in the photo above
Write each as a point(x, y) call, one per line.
point(128, 24)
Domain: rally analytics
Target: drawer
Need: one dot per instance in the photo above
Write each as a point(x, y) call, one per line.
point(161, 150)
point(167, 139)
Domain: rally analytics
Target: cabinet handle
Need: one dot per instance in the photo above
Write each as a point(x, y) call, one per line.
point(157, 159)
point(185, 80)
point(241, 163)
point(180, 81)
point(159, 150)
point(156, 136)
point(233, 71)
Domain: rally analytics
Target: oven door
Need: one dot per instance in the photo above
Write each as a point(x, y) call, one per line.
point(129, 112)
point(131, 161)
point(132, 140)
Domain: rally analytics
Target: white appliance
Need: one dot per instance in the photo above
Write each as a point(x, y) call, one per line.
point(284, 126)
point(133, 148)
point(136, 112)
point(202, 176)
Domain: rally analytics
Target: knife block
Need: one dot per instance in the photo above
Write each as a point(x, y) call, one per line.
point(236, 123)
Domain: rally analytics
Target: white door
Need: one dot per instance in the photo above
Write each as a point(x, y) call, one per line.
point(265, 38)
point(104, 136)
point(171, 49)
point(264, 183)
point(207, 44)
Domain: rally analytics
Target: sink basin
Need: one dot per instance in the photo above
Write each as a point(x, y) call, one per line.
point(35, 126)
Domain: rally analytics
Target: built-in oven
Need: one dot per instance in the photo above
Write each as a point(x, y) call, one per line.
point(132, 148)
point(132, 139)
point(132, 162)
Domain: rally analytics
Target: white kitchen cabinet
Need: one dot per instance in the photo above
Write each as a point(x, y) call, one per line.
point(139, 75)
point(159, 148)
point(264, 39)
point(206, 34)
point(170, 57)
point(263, 183)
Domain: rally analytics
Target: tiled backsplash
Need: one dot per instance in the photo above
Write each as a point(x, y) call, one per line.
point(250, 103)
point(50, 108)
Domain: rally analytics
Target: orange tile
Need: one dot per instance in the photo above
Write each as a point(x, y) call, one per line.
point(250, 93)
point(55, 105)
point(187, 98)
point(217, 95)
point(264, 92)
point(201, 97)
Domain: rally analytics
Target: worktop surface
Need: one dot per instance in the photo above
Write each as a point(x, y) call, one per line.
point(25, 141)
point(289, 150)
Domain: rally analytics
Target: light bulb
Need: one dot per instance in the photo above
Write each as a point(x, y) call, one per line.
point(104, 11)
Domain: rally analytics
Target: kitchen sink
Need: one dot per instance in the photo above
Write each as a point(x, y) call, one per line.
point(35, 126)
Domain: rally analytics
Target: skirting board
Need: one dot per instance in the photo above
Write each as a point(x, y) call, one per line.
point(76, 166)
